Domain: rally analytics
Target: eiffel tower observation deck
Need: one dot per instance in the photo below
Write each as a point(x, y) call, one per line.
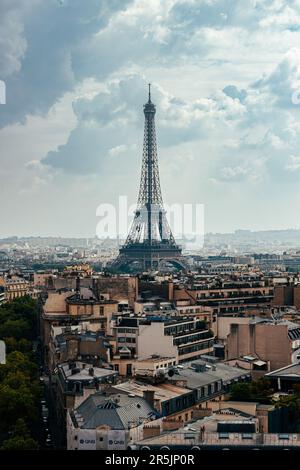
point(150, 243)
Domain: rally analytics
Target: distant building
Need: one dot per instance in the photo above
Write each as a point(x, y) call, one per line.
point(65, 308)
point(269, 341)
point(287, 295)
point(71, 343)
point(14, 287)
point(183, 307)
point(232, 297)
point(119, 288)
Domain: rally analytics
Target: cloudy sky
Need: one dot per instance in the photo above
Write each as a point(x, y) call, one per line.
point(226, 82)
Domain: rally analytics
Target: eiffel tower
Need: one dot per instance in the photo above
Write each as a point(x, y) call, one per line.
point(150, 242)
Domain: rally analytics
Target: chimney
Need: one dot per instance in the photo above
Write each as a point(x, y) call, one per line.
point(95, 289)
point(91, 371)
point(78, 284)
point(148, 395)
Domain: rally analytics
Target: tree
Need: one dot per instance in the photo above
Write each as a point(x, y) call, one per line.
point(241, 392)
point(20, 389)
point(20, 439)
point(257, 390)
point(15, 328)
point(20, 443)
point(17, 361)
point(23, 345)
point(24, 309)
point(15, 403)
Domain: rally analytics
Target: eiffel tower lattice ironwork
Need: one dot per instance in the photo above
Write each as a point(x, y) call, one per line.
point(150, 240)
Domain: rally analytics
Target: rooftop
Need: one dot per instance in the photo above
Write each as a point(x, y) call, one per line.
point(119, 411)
point(212, 373)
point(192, 430)
point(163, 392)
point(80, 371)
point(291, 371)
point(155, 358)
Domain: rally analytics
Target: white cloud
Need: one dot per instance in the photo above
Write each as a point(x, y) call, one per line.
point(293, 163)
point(224, 75)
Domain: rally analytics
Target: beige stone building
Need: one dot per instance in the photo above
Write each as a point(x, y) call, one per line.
point(14, 287)
point(68, 308)
point(271, 342)
point(141, 336)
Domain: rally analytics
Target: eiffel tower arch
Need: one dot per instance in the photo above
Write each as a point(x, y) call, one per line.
point(150, 242)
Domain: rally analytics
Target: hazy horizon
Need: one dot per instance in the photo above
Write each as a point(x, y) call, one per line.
point(2, 237)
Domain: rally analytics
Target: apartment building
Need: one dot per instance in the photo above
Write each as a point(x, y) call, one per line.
point(71, 343)
point(65, 307)
point(273, 342)
point(161, 334)
point(71, 383)
point(14, 287)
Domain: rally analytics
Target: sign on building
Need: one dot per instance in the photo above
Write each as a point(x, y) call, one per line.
point(116, 440)
point(87, 439)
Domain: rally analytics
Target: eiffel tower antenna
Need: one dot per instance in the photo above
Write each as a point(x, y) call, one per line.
point(150, 239)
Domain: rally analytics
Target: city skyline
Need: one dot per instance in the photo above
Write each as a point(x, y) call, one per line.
point(150, 239)
point(71, 131)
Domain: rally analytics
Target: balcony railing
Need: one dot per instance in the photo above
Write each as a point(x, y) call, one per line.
point(190, 438)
